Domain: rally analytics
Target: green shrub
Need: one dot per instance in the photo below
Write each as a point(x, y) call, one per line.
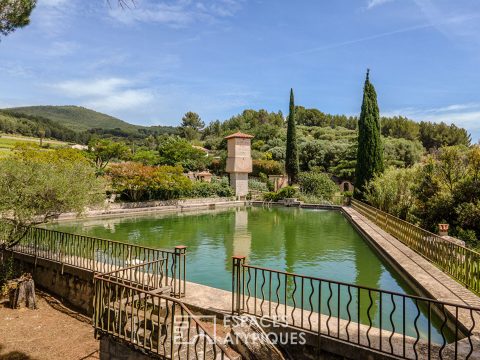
point(317, 184)
point(257, 185)
point(268, 167)
point(286, 192)
point(469, 236)
point(267, 181)
point(138, 182)
point(219, 188)
point(270, 196)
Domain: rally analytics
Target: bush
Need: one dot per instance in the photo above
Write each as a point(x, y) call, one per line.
point(264, 178)
point(317, 184)
point(179, 152)
point(284, 193)
point(269, 196)
point(392, 191)
point(268, 167)
point(257, 185)
point(219, 188)
point(137, 182)
point(469, 236)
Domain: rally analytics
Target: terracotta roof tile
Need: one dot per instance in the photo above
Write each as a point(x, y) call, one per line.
point(239, 135)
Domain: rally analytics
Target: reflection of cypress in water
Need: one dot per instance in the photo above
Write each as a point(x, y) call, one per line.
point(367, 274)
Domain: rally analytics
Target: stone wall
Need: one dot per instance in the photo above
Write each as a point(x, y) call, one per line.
point(111, 349)
point(157, 206)
point(72, 285)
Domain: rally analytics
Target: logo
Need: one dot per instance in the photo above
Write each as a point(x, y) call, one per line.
point(195, 330)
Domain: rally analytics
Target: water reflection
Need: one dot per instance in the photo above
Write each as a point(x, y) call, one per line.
point(309, 242)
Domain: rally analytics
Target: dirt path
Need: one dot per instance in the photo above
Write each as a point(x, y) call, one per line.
point(51, 332)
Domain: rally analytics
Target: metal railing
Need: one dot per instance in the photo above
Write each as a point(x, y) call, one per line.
point(461, 263)
point(101, 255)
point(130, 306)
point(405, 326)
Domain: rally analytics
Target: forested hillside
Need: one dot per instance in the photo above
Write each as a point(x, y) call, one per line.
point(37, 126)
point(326, 143)
point(73, 124)
point(76, 118)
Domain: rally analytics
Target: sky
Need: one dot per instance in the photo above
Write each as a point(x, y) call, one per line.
point(150, 63)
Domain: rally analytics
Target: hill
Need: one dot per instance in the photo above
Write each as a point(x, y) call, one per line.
point(36, 126)
point(76, 118)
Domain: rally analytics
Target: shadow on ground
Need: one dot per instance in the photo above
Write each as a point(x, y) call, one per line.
point(14, 355)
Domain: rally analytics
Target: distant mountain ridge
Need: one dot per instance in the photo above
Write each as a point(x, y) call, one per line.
point(76, 118)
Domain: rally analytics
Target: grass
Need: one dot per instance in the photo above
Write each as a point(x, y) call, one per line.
point(8, 142)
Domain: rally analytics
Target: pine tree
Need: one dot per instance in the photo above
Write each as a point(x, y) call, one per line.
point(370, 149)
point(291, 158)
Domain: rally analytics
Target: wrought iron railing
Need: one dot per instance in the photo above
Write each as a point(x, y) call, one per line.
point(461, 263)
point(101, 255)
point(405, 326)
point(130, 305)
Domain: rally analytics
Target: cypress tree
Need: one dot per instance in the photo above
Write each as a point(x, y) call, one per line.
point(291, 156)
point(370, 149)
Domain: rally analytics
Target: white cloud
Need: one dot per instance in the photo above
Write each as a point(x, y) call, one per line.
point(453, 21)
point(122, 100)
point(374, 3)
point(52, 17)
point(62, 48)
point(107, 94)
point(178, 13)
point(53, 2)
point(15, 70)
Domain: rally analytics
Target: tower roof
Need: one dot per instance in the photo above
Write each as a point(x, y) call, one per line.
point(239, 135)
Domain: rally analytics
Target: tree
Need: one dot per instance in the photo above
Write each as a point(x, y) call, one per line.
point(15, 14)
point(137, 182)
point(41, 135)
point(36, 186)
point(103, 151)
point(291, 154)
point(146, 157)
point(392, 191)
point(370, 150)
point(176, 151)
point(317, 184)
point(402, 152)
point(191, 125)
point(434, 136)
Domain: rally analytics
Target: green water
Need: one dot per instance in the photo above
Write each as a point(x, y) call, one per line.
point(310, 242)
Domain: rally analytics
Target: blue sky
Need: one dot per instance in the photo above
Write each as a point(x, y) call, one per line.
point(153, 62)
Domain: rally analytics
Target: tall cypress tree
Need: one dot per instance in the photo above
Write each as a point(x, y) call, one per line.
point(370, 149)
point(291, 156)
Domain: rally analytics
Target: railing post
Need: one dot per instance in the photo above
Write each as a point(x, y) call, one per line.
point(237, 284)
point(62, 251)
point(35, 240)
point(179, 271)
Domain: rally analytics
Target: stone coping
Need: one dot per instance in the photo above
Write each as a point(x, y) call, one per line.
point(180, 207)
point(425, 276)
point(212, 301)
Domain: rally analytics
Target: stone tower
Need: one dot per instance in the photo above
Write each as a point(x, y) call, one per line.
point(239, 162)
